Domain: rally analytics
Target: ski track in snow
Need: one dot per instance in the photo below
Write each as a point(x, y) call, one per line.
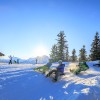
point(21, 82)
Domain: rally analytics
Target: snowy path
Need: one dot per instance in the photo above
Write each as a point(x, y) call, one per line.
point(20, 82)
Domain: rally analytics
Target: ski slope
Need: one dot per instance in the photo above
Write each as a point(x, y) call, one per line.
point(20, 82)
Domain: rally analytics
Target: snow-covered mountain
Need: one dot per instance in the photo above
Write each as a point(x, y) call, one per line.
point(43, 59)
point(4, 59)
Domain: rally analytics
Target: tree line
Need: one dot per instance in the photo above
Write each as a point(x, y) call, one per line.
point(60, 51)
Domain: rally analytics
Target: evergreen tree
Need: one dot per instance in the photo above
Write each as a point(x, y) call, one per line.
point(74, 57)
point(70, 58)
point(66, 54)
point(53, 54)
point(88, 58)
point(62, 46)
point(82, 54)
point(95, 48)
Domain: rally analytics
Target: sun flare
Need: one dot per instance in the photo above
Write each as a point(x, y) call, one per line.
point(40, 51)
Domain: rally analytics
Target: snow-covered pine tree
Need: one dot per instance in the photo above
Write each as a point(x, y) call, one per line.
point(53, 54)
point(70, 58)
point(95, 48)
point(74, 57)
point(62, 46)
point(82, 54)
point(66, 54)
point(88, 58)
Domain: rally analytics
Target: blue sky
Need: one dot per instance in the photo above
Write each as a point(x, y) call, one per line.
point(27, 24)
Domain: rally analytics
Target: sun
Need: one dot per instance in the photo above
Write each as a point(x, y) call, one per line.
point(40, 51)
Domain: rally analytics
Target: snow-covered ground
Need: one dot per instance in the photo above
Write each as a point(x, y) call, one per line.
point(20, 82)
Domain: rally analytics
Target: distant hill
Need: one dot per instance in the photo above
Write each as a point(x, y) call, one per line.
point(43, 59)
